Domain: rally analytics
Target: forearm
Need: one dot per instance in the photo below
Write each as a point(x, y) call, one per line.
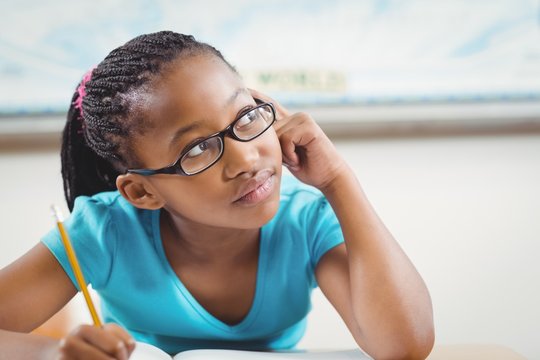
point(14, 345)
point(391, 303)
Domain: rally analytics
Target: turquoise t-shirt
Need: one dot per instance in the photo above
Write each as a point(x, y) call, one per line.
point(121, 254)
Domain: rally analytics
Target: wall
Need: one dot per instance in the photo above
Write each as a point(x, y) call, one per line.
point(465, 209)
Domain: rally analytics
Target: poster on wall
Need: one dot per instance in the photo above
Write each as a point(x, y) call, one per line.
point(304, 53)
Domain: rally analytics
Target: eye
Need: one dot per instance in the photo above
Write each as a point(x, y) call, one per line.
point(198, 149)
point(247, 119)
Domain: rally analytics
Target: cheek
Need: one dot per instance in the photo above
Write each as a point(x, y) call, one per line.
point(272, 146)
point(191, 197)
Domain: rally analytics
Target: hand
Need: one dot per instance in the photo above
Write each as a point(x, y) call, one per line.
point(307, 152)
point(90, 342)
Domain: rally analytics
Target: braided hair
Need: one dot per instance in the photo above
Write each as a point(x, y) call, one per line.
point(100, 120)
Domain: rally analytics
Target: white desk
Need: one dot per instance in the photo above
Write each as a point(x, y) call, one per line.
point(473, 352)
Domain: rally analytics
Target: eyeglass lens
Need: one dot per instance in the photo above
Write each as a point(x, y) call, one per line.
point(206, 152)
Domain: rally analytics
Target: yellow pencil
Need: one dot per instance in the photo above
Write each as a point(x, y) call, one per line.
point(72, 257)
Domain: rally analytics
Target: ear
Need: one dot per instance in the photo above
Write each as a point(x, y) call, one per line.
point(139, 191)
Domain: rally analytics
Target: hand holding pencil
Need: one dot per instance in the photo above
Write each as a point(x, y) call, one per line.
point(97, 341)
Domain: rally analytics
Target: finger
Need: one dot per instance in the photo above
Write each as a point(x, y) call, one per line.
point(259, 95)
point(299, 128)
point(296, 136)
point(121, 333)
point(288, 148)
point(73, 347)
point(105, 340)
point(288, 153)
point(281, 112)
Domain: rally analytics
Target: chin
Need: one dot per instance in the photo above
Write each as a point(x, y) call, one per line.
point(259, 215)
point(268, 213)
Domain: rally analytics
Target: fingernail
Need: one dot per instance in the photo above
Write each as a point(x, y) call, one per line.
point(131, 344)
point(122, 351)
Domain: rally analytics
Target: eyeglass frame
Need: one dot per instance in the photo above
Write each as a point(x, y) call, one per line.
point(176, 167)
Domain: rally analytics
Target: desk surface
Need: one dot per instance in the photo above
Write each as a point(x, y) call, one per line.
point(474, 352)
point(440, 352)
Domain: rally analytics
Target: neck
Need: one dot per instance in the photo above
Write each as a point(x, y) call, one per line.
point(210, 244)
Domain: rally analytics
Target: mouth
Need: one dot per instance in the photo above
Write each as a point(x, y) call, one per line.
point(256, 189)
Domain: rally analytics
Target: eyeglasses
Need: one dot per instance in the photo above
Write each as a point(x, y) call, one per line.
point(206, 152)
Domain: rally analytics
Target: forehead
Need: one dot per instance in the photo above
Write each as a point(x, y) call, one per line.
point(191, 85)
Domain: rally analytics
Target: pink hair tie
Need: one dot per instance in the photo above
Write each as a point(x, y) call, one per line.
point(82, 90)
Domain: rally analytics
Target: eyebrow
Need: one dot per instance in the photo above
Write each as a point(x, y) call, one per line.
point(196, 124)
point(182, 131)
point(233, 97)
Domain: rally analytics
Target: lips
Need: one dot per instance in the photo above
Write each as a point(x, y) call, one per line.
point(257, 188)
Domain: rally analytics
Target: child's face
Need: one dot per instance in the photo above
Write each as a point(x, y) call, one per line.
point(202, 93)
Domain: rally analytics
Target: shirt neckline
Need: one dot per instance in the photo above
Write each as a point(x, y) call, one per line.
point(207, 316)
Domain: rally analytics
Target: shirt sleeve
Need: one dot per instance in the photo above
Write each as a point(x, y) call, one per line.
point(92, 234)
point(324, 231)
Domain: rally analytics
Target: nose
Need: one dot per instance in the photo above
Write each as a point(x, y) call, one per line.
point(240, 157)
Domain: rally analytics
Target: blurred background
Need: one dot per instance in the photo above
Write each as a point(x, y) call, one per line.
point(435, 105)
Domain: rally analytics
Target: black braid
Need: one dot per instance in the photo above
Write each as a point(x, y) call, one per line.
point(96, 146)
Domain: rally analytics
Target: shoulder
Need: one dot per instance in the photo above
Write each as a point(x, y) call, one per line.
point(300, 204)
point(104, 206)
point(92, 228)
point(305, 224)
point(93, 216)
point(297, 196)
point(293, 190)
point(103, 200)
point(106, 215)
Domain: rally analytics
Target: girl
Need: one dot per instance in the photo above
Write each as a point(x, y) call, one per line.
point(186, 229)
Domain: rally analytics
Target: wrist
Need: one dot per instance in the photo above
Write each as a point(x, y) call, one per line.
point(50, 349)
point(344, 182)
